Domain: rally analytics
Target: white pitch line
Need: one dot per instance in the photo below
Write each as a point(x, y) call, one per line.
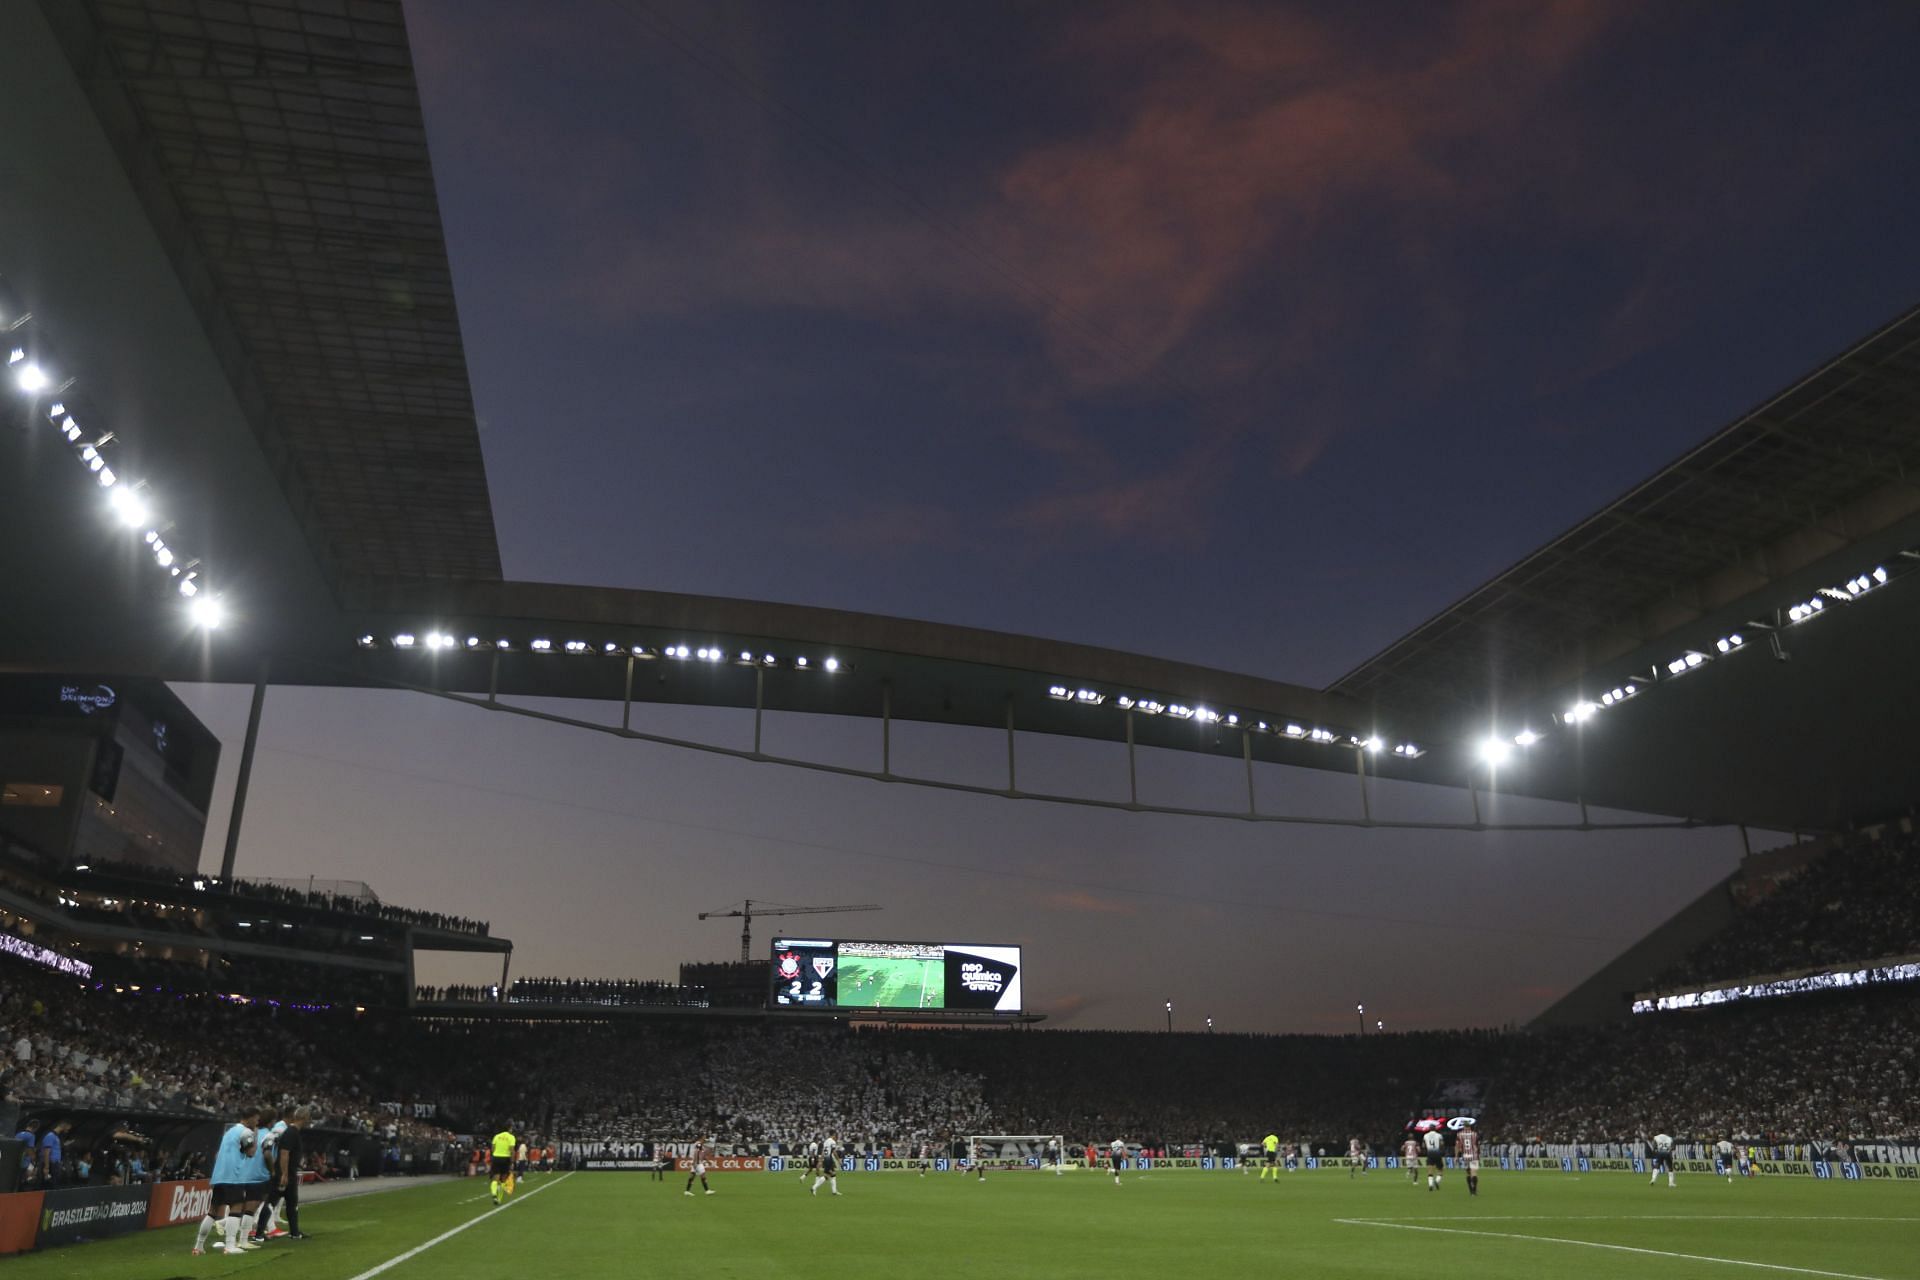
point(418, 1249)
point(1617, 1248)
point(1634, 1217)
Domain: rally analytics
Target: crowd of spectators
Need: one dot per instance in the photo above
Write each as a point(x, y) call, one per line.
point(174, 899)
point(72, 1047)
point(1858, 902)
point(611, 992)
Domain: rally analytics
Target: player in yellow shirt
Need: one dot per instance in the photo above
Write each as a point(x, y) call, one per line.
point(502, 1167)
point(1270, 1161)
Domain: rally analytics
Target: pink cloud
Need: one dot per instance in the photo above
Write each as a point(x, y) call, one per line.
point(1090, 903)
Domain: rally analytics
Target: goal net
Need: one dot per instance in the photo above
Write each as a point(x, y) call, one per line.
point(1017, 1151)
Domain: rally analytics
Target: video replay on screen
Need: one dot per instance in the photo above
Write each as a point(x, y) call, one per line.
point(824, 973)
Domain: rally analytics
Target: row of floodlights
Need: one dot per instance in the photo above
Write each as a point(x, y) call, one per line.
point(127, 500)
point(1498, 749)
point(1201, 714)
point(441, 641)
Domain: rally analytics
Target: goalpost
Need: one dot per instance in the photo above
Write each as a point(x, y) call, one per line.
point(1014, 1150)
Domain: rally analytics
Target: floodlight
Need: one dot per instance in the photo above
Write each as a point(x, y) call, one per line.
point(831, 664)
point(576, 646)
point(1149, 707)
point(403, 641)
point(1880, 575)
point(1525, 738)
point(368, 642)
point(1207, 715)
point(800, 662)
point(1496, 751)
point(189, 587)
point(1059, 691)
point(1092, 697)
point(1123, 702)
point(129, 506)
point(1179, 712)
point(1409, 751)
point(767, 659)
point(1321, 735)
point(542, 645)
point(1581, 712)
point(1295, 731)
point(439, 640)
point(1372, 743)
point(1232, 720)
point(27, 372)
point(207, 612)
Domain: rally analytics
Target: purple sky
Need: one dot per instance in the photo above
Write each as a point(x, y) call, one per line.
point(1250, 336)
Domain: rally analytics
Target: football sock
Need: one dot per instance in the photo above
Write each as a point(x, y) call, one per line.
point(206, 1229)
point(232, 1224)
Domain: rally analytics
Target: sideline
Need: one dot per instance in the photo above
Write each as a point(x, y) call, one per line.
point(419, 1249)
point(1595, 1244)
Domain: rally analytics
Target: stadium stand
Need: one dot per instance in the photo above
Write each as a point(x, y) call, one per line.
point(1823, 1068)
point(1858, 901)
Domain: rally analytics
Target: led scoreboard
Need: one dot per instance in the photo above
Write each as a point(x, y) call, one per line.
point(819, 973)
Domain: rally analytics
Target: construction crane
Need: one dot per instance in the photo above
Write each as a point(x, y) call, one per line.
point(747, 910)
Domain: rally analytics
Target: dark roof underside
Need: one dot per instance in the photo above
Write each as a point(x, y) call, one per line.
point(1828, 461)
point(280, 152)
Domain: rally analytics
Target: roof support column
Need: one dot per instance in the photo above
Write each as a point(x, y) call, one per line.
point(626, 700)
point(759, 701)
point(1246, 757)
point(1360, 772)
point(1133, 775)
point(1011, 788)
point(246, 774)
point(886, 729)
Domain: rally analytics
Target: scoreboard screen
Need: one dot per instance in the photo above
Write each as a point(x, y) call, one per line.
point(821, 973)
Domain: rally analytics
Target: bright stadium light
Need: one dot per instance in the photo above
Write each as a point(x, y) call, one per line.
point(576, 646)
point(368, 642)
point(1496, 751)
point(1727, 644)
point(1179, 712)
point(541, 645)
point(831, 664)
point(1149, 707)
point(800, 661)
point(1372, 744)
point(128, 505)
point(207, 612)
point(1409, 751)
point(1320, 735)
point(1059, 692)
point(27, 372)
point(1525, 738)
point(1091, 697)
point(403, 641)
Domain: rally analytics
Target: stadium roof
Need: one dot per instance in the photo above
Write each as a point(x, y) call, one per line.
point(221, 214)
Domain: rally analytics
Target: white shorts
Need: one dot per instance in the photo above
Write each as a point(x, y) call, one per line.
point(700, 1170)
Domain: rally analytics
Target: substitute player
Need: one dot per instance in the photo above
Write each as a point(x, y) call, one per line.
point(1466, 1150)
point(500, 1166)
point(1662, 1158)
point(1410, 1157)
point(1436, 1157)
point(229, 1194)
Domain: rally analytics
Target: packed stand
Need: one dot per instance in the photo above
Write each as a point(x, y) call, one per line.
point(1857, 903)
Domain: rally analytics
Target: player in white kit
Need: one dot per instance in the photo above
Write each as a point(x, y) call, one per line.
point(1662, 1158)
point(1117, 1156)
point(829, 1166)
point(1436, 1161)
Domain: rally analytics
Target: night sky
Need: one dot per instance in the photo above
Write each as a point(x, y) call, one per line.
point(1248, 335)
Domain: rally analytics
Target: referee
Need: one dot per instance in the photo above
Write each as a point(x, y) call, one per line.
point(286, 1171)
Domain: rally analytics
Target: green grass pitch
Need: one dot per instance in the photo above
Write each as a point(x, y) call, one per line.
point(889, 982)
point(1535, 1226)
